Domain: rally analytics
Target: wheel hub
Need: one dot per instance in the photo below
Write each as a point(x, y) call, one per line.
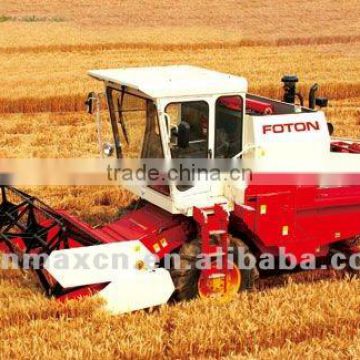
point(219, 282)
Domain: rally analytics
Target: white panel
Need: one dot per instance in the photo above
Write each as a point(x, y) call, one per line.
point(173, 80)
point(97, 264)
point(139, 290)
point(282, 128)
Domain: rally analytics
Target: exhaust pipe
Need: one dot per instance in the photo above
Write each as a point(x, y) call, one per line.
point(312, 96)
point(289, 88)
point(290, 93)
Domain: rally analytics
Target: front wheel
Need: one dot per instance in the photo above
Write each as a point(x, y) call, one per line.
point(191, 282)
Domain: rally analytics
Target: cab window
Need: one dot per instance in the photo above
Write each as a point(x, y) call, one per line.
point(196, 115)
point(152, 142)
point(228, 126)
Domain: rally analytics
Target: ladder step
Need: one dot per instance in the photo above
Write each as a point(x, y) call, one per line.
point(217, 232)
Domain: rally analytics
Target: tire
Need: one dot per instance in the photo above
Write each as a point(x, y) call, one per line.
point(249, 277)
point(351, 247)
point(186, 278)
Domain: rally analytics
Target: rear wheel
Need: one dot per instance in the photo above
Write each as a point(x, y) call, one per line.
point(191, 282)
point(351, 248)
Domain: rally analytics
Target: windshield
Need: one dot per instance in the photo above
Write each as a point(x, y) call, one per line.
point(134, 125)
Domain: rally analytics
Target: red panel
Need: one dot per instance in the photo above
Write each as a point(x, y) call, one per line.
point(151, 225)
point(235, 103)
point(300, 218)
point(259, 107)
point(345, 147)
point(138, 223)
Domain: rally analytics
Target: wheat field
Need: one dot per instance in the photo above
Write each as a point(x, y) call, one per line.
point(46, 48)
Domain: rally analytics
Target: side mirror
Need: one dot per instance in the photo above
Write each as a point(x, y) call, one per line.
point(183, 134)
point(330, 128)
point(90, 102)
point(108, 149)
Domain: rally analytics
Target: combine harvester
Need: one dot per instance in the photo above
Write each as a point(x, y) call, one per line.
point(188, 112)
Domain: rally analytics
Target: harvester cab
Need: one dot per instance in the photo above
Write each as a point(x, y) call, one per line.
point(187, 112)
point(169, 113)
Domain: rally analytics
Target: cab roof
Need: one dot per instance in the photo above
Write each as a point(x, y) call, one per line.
point(173, 81)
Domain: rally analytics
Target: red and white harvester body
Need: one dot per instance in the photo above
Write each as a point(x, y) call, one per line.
point(303, 195)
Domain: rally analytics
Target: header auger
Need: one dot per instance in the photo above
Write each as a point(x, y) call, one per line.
point(29, 227)
point(186, 112)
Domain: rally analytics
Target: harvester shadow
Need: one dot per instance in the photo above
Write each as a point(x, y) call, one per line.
point(278, 279)
point(281, 278)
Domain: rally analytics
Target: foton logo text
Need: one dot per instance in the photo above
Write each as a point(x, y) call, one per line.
point(291, 127)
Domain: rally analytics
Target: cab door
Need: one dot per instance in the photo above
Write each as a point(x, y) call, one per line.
point(196, 116)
